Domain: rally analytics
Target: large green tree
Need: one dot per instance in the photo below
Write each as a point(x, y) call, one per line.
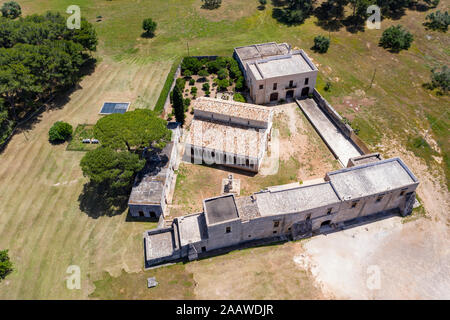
point(11, 9)
point(6, 266)
point(396, 38)
point(132, 130)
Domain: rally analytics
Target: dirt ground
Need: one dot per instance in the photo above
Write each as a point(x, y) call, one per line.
point(389, 259)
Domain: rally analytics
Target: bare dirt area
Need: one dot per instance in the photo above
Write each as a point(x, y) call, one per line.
point(389, 259)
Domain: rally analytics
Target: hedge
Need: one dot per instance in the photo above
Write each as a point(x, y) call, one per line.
point(159, 107)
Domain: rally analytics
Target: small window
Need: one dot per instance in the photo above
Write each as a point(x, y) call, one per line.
point(261, 87)
point(247, 162)
point(213, 154)
point(379, 198)
point(275, 232)
point(276, 224)
point(306, 81)
point(308, 217)
point(291, 83)
point(203, 249)
point(329, 210)
point(152, 214)
point(249, 235)
point(228, 230)
point(274, 86)
point(289, 229)
point(354, 204)
point(141, 213)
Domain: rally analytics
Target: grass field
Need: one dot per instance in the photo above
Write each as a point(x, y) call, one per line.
point(40, 218)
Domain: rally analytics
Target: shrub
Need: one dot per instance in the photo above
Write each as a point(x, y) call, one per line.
point(321, 44)
point(178, 105)
point(191, 82)
point(180, 83)
point(149, 27)
point(203, 73)
point(327, 86)
point(187, 73)
point(211, 4)
point(222, 84)
point(396, 39)
point(166, 89)
point(187, 103)
point(215, 65)
point(222, 74)
point(438, 21)
point(239, 97)
point(205, 86)
point(6, 266)
point(207, 93)
point(192, 64)
point(441, 79)
point(60, 131)
point(11, 10)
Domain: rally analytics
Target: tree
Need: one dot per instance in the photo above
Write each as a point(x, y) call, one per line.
point(239, 97)
point(6, 266)
point(222, 74)
point(294, 11)
point(438, 21)
point(262, 4)
point(393, 8)
point(211, 4)
point(321, 44)
point(104, 166)
point(60, 131)
point(149, 27)
point(11, 10)
point(192, 64)
point(206, 86)
point(132, 131)
point(203, 73)
point(441, 79)
point(178, 105)
point(396, 39)
point(6, 125)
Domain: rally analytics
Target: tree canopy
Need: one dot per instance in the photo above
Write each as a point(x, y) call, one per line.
point(60, 131)
point(321, 44)
point(178, 104)
point(6, 266)
point(149, 27)
point(396, 38)
point(438, 21)
point(11, 10)
point(211, 4)
point(132, 131)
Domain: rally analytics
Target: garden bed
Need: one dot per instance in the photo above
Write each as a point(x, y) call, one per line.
point(83, 131)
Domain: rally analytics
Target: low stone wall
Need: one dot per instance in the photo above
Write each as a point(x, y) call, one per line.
point(338, 121)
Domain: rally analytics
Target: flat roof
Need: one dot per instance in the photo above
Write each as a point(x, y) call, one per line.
point(233, 109)
point(372, 178)
point(296, 200)
point(159, 245)
point(263, 50)
point(229, 138)
point(220, 209)
point(279, 67)
point(192, 228)
point(247, 207)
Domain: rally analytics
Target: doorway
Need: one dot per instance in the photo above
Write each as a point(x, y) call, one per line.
point(289, 94)
point(325, 225)
point(305, 91)
point(274, 97)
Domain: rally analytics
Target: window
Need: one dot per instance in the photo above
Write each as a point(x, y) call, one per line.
point(249, 235)
point(354, 204)
point(275, 232)
point(308, 217)
point(276, 224)
point(329, 210)
point(261, 87)
point(291, 83)
point(274, 86)
point(403, 192)
point(152, 214)
point(141, 213)
point(203, 249)
point(306, 81)
point(228, 230)
point(247, 162)
point(379, 198)
point(289, 229)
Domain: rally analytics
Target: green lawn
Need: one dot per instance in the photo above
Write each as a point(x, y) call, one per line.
point(83, 131)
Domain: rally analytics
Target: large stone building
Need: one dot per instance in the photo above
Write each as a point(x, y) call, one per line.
point(275, 72)
point(370, 187)
point(152, 186)
point(228, 133)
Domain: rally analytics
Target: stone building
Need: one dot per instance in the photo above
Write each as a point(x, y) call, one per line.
point(275, 72)
point(228, 133)
point(376, 187)
point(152, 186)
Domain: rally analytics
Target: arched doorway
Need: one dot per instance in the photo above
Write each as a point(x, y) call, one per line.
point(325, 225)
point(289, 94)
point(305, 91)
point(274, 97)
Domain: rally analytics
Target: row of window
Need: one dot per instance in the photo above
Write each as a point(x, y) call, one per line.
point(226, 160)
point(379, 198)
point(291, 84)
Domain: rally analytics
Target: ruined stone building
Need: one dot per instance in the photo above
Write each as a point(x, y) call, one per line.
point(154, 183)
point(367, 188)
point(275, 72)
point(228, 133)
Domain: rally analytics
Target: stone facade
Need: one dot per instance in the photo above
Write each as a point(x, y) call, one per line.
point(275, 72)
point(287, 212)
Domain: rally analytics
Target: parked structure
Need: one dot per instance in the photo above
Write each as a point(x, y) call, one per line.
point(154, 183)
point(287, 212)
point(228, 133)
point(275, 72)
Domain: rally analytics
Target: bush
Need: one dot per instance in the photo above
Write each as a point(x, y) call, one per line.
point(240, 84)
point(327, 86)
point(193, 90)
point(239, 97)
point(6, 266)
point(166, 89)
point(211, 4)
point(60, 131)
point(187, 103)
point(11, 10)
point(203, 73)
point(192, 64)
point(396, 39)
point(441, 79)
point(222, 84)
point(222, 74)
point(187, 73)
point(438, 21)
point(149, 27)
point(321, 44)
point(191, 82)
point(206, 86)
point(180, 83)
